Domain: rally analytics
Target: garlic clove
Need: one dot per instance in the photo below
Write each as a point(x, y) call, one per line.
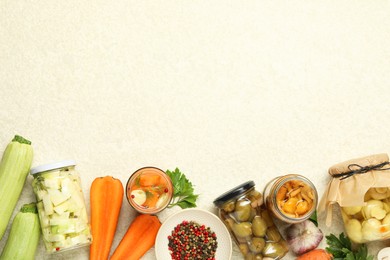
point(138, 196)
point(303, 237)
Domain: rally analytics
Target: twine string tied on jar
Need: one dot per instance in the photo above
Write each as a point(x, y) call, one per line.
point(358, 169)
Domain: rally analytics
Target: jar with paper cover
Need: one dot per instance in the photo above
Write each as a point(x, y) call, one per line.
point(361, 187)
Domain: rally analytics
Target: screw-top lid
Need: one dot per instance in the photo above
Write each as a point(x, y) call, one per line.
point(52, 166)
point(233, 193)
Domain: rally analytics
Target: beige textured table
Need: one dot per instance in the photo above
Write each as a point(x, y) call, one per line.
point(228, 91)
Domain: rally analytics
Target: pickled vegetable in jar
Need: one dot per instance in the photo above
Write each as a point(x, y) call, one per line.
point(253, 230)
point(149, 190)
point(370, 221)
point(61, 206)
point(291, 198)
point(361, 187)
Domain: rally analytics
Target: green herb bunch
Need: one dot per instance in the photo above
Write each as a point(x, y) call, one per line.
point(341, 249)
point(183, 191)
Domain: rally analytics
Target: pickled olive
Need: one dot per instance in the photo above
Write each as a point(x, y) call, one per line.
point(273, 234)
point(242, 210)
point(256, 199)
point(267, 218)
point(243, 229)
point(252, 256)
point(243, 240)
point(244, 249)
point(255, 195)
point(229, 207)
point(252, 215)
point(274, 250)
point(259, 226)
point(229, 223)
point(258, 257)
point(249, 256)
point(257, 244)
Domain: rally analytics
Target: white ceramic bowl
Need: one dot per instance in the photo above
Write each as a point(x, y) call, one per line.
point(202, 217)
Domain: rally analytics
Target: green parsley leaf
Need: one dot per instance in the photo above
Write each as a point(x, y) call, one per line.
point(341, 249)
point(183, 191)
point(313, 218)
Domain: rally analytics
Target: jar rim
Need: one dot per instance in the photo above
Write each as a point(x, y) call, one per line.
point(233, 193)
point(131, 180)
point(279, 211)
point(52, 166)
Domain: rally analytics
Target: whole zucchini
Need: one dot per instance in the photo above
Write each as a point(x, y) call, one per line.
point(24, 236)
point(14, 167)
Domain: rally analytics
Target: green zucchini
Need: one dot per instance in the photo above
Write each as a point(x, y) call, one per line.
point(24, 236)
point(14, 167)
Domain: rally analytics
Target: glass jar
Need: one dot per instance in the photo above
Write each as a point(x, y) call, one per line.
point(242, 211)
point(61, 206)
point(291, 198)
point(149, 190)
point(370, 221)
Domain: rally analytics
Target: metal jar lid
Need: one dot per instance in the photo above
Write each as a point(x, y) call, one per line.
point(52, 166)
point(233, 193)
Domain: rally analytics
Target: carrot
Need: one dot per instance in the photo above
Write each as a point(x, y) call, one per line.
point(106, 197)
point(149, 180)
point(138, 239)
point(151, 198)
point(316, 254)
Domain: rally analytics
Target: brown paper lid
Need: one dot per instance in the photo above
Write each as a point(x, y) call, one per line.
point(352, 179)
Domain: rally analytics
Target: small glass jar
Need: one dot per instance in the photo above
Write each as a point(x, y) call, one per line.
point(242, 211)
point(291, 198)
point(149, 190)
point(61, 206)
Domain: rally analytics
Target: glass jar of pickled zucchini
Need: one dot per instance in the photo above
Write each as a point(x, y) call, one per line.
point(242, 211)
point(61, 206)
point(291, 198)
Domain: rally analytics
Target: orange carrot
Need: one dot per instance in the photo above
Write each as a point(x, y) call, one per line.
point(106, 197)
point(151, 199)
point(316, 254)
point(149, 180)
point(138, 239)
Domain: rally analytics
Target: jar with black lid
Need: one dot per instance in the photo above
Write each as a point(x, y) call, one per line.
point(249, 223)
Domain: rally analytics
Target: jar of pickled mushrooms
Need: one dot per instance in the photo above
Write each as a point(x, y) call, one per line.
point(291, 198)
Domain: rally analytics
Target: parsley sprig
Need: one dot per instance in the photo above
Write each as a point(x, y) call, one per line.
point(183, 191)
point(341, 249)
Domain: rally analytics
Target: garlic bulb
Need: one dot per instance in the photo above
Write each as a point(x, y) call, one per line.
point(303, 237)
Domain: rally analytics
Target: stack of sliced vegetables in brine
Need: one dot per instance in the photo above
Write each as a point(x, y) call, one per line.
point(14, 167)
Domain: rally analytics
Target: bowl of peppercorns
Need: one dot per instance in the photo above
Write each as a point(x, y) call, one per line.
point(193, 234)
